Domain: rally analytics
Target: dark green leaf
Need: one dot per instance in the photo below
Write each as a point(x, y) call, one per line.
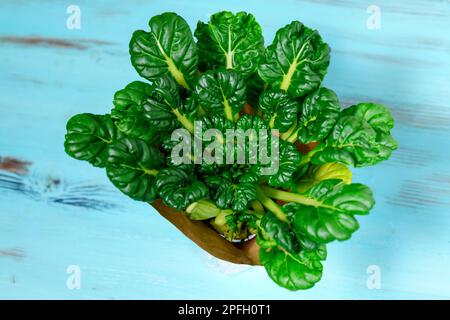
point(352, 142)
point(88, 136)
point(255, 87)
point(221, 92)
point(380, 119)
point(288, 159)
point(296, 61)
point(279, 109)
point(233, 189)
point(246, 122)
point(217, 121)
point(331, 217)
point(376, 115)
point(230, 41)
point(164, 108)
point(179, 188)
point(291, 259)
point(320, 111)
point(279, 232)
point(252, 129)
point(168, 48)
point(128, 113)
point(293, 271)
point(132, 167)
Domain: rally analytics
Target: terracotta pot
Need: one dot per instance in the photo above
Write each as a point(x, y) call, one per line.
point(208, 239)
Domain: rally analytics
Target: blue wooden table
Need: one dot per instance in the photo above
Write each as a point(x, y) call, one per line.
point(58, 215)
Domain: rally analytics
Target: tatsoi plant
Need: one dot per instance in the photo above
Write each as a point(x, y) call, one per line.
point(226, 79)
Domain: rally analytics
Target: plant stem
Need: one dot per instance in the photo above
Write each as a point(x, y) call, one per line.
point(270, 205)
point(290, 197)
point(288, 133)
point(257, 206)
point(255, 213)
point(272, 121)
point(293, 137)
point(201, 111)
point(202, 209)
point(184, 121)
point(307, 158)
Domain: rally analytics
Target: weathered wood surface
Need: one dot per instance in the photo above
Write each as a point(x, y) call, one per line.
point(56, 212)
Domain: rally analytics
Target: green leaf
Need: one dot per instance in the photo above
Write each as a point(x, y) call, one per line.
point(291, 259)
point(279, 108)
point(257, 126)
point(293, 271)
point(255, 87)
point(296, 61)
point(328, 171)
point(279, 232)
point(132, 167)
point(320, 111)
point(288, 159)
point(179, 188)
point(217, 121)
point(376, 115)
point(168, 48)
point(165, 109)
point(352, 142)
point(380, 119)
point(221, 92)
point(128, 113)
point(332, 216)
point(88, 136)
point(232, 188)
point(246, 122)
point(230, 41)
point(132, 96)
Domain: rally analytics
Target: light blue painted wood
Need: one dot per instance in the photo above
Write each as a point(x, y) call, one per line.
point(124, 248)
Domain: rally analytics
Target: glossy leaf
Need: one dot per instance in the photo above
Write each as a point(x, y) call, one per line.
point(132, 167)
point(178, 188)
point(128, 113)
point(320, 111)
point(255, 87)
point(231, 41)
point(352, 142)
point(291, 261)
point(328, 171)
point(165, 109)
point(279, 108)
point(296, 61)
point(246, 122)
point(380, 119)
point(233, 189)
point(376, 115)
point(253, 129)
point(168, 48)
point(288, 159)
point(221, 92)
point(279, 232)
point(293, 271)
point(332, 216)
point(88, 137)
